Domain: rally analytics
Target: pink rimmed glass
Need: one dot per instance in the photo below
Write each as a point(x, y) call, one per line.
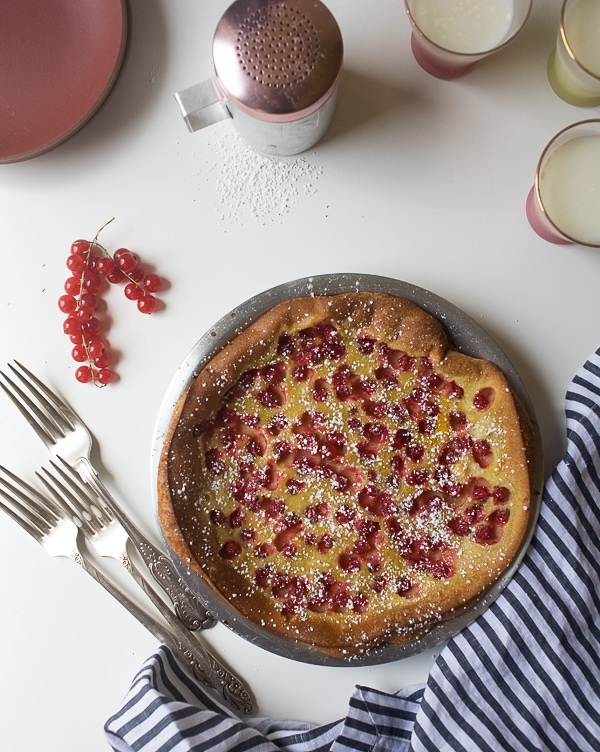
point(563, 206)
point(574, 64)
point(449, 37)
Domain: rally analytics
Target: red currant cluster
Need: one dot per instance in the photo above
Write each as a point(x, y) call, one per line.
point(91, 266)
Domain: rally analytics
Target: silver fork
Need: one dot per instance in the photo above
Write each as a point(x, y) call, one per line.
point(66, 435)
point(48, 518)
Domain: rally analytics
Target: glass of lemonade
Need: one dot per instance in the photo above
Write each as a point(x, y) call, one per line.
point(574, 64)
point(449, 37)
point(564, 204)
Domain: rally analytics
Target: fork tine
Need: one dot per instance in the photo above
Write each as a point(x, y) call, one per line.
point(73, 496)
point(102, 514)
point(33, 530)
point(61, 412)
point(28, 507)
point(47, 424)
point(36, 419)
point(31, 497)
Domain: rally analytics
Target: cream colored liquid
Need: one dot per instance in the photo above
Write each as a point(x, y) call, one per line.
point(582, 29)
point(570, 188)
point(467, 26)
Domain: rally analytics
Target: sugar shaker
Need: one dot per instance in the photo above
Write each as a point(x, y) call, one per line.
point(277, 68)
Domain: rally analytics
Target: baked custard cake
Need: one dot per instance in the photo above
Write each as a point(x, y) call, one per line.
point(343, 476)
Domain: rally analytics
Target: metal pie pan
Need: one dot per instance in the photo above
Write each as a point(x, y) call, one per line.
point(464, 334)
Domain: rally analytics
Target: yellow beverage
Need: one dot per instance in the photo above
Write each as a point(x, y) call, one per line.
point(574, 66)
point(569, 187)
point(582, 30)
point(464, 26)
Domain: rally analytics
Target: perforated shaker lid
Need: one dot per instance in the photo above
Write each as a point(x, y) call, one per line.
point(278, 60)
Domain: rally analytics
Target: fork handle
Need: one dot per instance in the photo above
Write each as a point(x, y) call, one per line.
point(204, 666)
point(188, 608)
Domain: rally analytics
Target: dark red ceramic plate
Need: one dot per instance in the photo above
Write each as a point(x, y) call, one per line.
point(58, 61)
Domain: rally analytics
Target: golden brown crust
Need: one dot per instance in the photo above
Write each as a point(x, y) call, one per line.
point(188, 492)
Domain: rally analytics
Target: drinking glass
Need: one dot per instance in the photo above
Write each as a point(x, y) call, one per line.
point(563, 205)
point(574, 64)
point(449, 37)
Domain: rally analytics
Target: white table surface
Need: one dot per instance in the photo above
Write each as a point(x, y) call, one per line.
point(418, 179)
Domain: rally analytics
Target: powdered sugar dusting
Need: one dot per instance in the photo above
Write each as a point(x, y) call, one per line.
point(253, 186)
point(343, 477)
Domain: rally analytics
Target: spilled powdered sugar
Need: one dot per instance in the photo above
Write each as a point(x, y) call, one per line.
point(249, 185)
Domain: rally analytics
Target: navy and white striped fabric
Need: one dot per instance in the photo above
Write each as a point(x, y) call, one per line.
point(524, 677)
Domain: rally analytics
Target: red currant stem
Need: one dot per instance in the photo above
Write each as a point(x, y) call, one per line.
point(135, 282)
point(106, 253)
point(95, 242)
point(100, 230)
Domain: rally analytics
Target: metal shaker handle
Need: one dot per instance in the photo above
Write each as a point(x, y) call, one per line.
point(202, 104)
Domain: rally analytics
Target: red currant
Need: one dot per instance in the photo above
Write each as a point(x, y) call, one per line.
point(104, 265)
point(67, 304)
point(96, 347)
point(133, 291)
point(80, 247)
point(73, 286)
point(116, 276)
point(92, 282)
point(91, 326)
point(102, 361)
point(90, 264)
point(89, 299)
point(84, 374)
point(72, 325)
point(126, 261)
point(104, 376)
point(79, 353)
point(75, 263)
point(147, 303)
point(136, 274)
point(85, 313)
point(152, 282)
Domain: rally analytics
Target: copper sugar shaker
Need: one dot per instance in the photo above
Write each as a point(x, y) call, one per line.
point(277, 69)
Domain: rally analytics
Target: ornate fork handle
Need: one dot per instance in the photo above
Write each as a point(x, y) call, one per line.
point(191, 613)
point(187, 607)
point(204, 666)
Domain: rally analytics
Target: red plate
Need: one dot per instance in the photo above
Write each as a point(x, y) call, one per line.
point(58, 61)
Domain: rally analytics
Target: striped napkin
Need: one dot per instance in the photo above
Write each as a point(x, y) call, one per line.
point(524, 677)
